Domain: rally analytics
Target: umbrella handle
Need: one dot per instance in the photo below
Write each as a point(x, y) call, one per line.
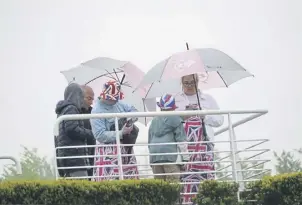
point(123, 79)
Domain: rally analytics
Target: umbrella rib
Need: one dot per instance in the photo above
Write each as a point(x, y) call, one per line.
point(165, 67)
point(101, 76)
point(222, 79)
point(111, 73)
point(148, 90)
point(117, 76)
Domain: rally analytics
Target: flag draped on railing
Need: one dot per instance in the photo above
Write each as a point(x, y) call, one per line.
point(194, 131)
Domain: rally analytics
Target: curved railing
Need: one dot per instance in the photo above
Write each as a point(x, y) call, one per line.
point(231, 167)
point(16, 161)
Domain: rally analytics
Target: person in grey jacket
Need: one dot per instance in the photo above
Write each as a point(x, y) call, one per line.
point(72, 133)
point(167, 129)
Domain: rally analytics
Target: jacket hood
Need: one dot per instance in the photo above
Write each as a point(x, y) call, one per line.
point(73, 95)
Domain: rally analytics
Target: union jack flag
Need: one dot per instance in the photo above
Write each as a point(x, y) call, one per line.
point(112, 172)
point(194, 131)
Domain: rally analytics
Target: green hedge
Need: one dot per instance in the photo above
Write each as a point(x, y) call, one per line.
point(127, 192)
point(285, 189)
point(219, 193)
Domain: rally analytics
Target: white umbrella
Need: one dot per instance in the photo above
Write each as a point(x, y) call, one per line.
point(214, 67)
point(99, 70)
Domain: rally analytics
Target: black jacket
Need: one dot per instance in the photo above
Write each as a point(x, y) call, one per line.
point(90, 141)
point(87, 124)
point(72, 133)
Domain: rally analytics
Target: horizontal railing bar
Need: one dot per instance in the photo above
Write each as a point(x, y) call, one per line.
point(185, 173)
point(256, 160)
point(257, 174)
point(264, 151)
point(254, 145)
point(128, 155)
point(131, 165)
point(250, 157)
point(240, 122)
point(223, 177)
point(156, 154)
point(157, 144)
point(255, 155)
point(168, 163)
point(246, 179)
point(150, 114)
point(255, 165)
point(191, 193)
point(171, 174)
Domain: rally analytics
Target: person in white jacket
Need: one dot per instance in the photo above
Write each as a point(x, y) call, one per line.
point(187, 99)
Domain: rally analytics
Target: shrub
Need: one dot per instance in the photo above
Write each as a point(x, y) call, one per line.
point(284, 189)
point(218, 193)
point(126, 192)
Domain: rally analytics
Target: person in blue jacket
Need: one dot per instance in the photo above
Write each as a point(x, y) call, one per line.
point(104, 132)
point(167, 129)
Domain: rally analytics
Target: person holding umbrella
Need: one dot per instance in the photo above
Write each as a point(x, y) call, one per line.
point(199, 129)
point(215, 69)
point(104, 132)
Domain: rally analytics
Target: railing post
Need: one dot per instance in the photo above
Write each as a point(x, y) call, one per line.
point(238, 165)
point(118, 150)
point(56, 164)
point(232, 147)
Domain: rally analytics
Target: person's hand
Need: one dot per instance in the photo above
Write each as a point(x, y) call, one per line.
point(183, 166)
point(133, 119)
point(127, 130)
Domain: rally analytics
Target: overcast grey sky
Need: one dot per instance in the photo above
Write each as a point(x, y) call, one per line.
point(38, 39)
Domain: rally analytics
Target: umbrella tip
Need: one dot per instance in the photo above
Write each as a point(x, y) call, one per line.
point(187, 45)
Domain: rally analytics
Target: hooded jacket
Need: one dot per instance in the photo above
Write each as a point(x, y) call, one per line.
point(167, 130)
point(72, 133)
point(90, 141)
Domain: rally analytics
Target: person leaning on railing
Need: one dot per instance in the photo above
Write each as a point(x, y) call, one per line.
point(86, 109)
point(104, 132)
point(72, 133)
point(167, 129)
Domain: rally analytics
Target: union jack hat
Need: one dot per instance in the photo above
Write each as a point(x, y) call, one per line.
point(167, 102)
point(112, 91)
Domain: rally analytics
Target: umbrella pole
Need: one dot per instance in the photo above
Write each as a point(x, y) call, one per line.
point(204, 131)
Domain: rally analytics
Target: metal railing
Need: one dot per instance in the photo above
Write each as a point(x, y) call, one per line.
point(240, 170)
point(16, 161)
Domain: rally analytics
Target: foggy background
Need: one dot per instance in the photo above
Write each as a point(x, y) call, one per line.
point(38, 39)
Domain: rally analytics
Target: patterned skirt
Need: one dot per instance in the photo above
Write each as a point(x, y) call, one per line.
point(108, 165)
point(194, 131)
